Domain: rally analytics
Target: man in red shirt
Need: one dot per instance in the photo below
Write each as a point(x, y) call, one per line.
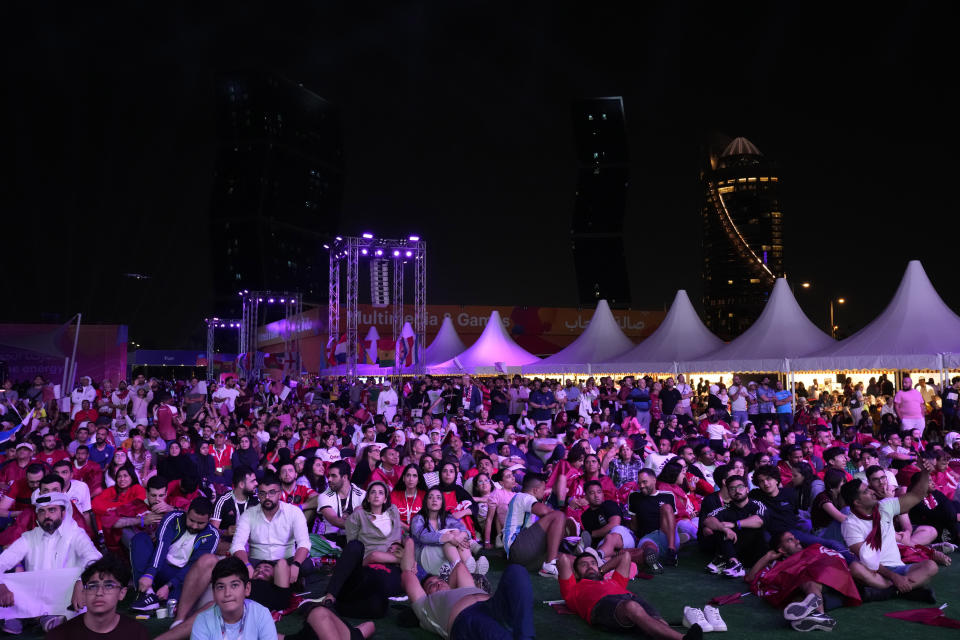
point(608, 604)
point(306, 440)
point(293, 493)
point(389, 470)
point(166, 418)
point(18, 497)
point(87, 471)
point(51, 454)
point(17, 468)
point(86, 414)
point(222, 452)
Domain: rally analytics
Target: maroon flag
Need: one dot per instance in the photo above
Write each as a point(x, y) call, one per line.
point(780, 580)
point(932, 616)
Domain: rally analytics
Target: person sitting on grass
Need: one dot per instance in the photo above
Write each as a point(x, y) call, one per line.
point(655, 521)
point(529, 543)
point(104, 587)
point(462, 611)
point(609, 604)
point(440, 538)
point(805, 582)
point(233, 616)
point(869, 533)
point(603, 529)
point(736, 530)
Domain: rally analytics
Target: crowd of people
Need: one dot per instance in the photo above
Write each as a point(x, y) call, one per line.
point(238, 502)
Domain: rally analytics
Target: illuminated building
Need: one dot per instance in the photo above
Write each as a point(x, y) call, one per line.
point(596, 236)
point(277, 188)
point(742, 236)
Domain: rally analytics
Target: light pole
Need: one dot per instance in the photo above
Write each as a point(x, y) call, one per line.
point(833, 327)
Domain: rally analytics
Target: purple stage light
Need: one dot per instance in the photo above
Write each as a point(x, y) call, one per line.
point(368, 236)
point(396, 253)
point(363, 252)
point(282, 300)
point(259, 299)
point(270, 300)
point(409, 253)
point(414, 238)
point(379, 252)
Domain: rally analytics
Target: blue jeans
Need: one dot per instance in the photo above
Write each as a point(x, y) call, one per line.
point(660, 539)
point(741, 417)
point(507, 615)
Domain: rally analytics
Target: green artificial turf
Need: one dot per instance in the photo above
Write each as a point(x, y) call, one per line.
point(689, 585)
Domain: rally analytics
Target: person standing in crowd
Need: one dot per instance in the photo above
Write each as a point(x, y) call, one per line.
point(910, 407)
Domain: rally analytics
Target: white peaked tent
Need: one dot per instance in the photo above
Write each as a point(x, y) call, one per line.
point(601, 339)
point(911, 333)
point(492, 353)
point(445, 345)
point(781, 332)
point(681, 336)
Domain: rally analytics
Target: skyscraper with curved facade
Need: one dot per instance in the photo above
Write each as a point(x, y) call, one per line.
point(742, 236)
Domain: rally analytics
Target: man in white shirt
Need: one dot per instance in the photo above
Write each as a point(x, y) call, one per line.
point(686, 393)
point(84, 392)
point(339, 500)
point(78, 491)
point(738, 401)
point(387, 402)
point(869, 532)
point(55, 543)
point(228, 394)
point(274, 530)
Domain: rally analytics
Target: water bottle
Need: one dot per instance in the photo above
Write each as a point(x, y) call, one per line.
point(171, 607)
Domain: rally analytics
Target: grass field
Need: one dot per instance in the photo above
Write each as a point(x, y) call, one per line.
point(688, 585)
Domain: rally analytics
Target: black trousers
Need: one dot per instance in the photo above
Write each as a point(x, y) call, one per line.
point(362, 592)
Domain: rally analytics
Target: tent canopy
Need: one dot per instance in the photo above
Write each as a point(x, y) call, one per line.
point(911, 333)
point(602, 339)
point(445, 345)
point(781, 332)
point(494, 350)
point(681, 335)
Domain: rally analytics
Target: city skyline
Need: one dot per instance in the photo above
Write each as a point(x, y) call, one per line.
point(469, 143)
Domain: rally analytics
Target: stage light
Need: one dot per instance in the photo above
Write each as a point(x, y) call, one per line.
point(240, 293)
point(292, 301)
point(409, 253)
point(363, 252)
point(414, 238)
point(326, 246)
point(270, 300)
point(259, 299)
point(222, 325)
point(368, 236)
point(396, 253)
point(379, 252)
point(282, 300)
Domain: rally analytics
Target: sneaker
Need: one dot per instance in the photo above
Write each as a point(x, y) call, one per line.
point(445, 570)
point(814, 622)
point(49, 623)
point(471, 564)
point(695, 633)
point(945, 547)
point(712, 614)
point(13, 626)
point(693, 616)
point(802, 608)
point(549, 569)
point(653, 564)
point(734, 570)
point(671, 559)
point(684, 538)
point(475, 548)
point(483, 566)
point(717, 565)
point(920, 594)
point(146, 602)
point(945, 536)
point(571, 545)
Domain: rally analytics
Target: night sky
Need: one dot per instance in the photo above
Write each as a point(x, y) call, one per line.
point(457, 126)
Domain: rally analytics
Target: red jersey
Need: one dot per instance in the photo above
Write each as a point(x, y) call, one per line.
point(297, 496)
point(20, 491)
point(408, 507)
point(165, 423)
point(12, 472)
point(221, 459)
point(51, 458)
point(90, 473)
point(390, 479)
point(305, 445)
point(90, 415)
point(584, 595)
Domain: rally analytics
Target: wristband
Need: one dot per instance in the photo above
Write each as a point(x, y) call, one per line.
point(142, 523)
point(296, 564)
point(738, 525)
point(249, 565)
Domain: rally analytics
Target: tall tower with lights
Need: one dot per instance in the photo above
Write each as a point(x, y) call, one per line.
point(742, 236)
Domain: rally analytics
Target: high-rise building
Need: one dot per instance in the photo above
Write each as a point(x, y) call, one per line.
point(277, 189)
point(601, 200)
point(742, 236)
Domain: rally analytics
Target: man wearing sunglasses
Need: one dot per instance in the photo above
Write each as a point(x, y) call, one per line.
point(104, 586)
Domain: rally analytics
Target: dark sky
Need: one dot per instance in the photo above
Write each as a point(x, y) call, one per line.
point(457, 125)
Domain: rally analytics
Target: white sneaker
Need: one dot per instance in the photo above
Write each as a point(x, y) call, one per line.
point(483, 566)
point(692, 616)
point(471, 564)
point(712, 614)
point(549, 569)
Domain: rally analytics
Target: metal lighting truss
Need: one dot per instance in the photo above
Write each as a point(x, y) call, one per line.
point(220, 323)
point(291, 327)
point(351, 250)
